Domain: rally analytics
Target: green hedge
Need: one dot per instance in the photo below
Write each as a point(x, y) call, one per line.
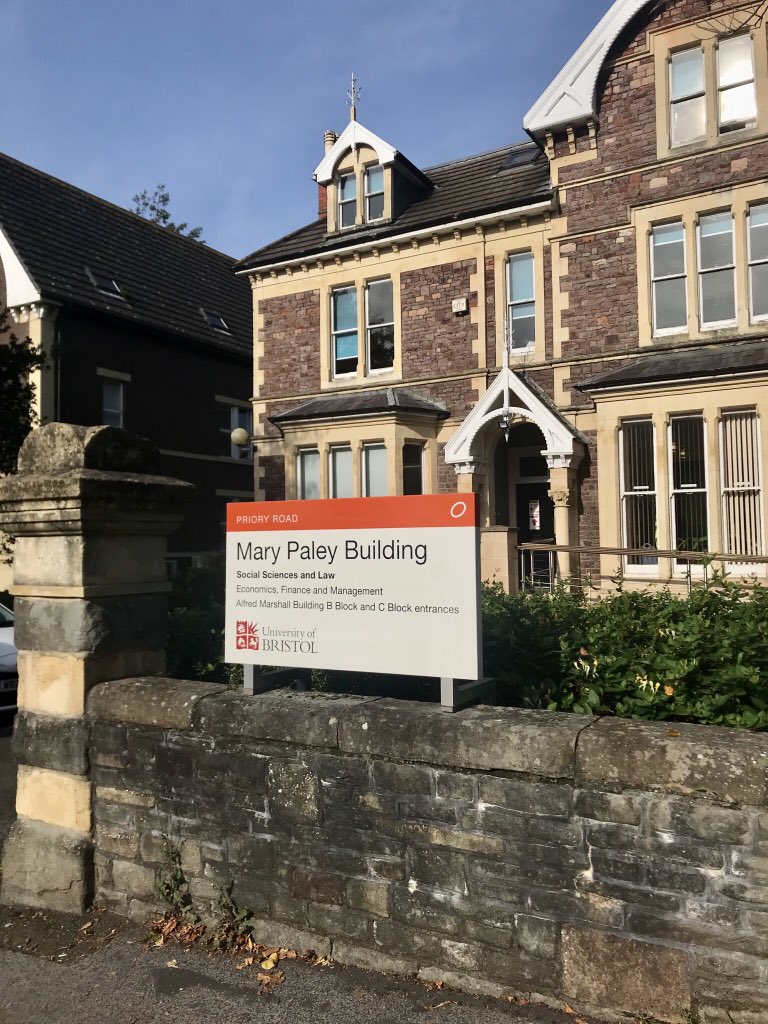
point(647, 655)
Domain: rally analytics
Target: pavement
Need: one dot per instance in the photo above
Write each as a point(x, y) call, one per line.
point(62, 968)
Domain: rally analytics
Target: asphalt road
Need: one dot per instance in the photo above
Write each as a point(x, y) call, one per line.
point(129, 983)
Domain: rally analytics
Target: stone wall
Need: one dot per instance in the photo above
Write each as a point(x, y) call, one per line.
point(621, 866)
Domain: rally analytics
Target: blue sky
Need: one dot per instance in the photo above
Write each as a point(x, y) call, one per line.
point(227, 102)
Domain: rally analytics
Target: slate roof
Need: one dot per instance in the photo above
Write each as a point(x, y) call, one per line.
point(735, 357)
point(57, 231)
point(462, 189)
point(367, 403)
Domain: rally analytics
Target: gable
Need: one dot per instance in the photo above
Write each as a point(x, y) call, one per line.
point(571, 97)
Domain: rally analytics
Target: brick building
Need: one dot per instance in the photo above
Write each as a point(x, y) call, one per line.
point(140, 328)
point(600, 294)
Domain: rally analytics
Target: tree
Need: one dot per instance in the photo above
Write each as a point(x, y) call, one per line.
point(17, 391)
point(154, 207)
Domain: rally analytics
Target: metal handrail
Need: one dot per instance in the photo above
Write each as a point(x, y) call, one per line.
point(545, 578)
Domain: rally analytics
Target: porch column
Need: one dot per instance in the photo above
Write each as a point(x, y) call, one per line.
point(561, 492)
point(89, 577)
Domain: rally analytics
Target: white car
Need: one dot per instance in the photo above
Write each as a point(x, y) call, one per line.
point(9, 679)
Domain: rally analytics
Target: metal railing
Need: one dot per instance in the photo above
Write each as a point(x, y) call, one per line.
point(540, 566)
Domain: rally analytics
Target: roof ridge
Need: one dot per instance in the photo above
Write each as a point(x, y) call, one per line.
point(113, 206)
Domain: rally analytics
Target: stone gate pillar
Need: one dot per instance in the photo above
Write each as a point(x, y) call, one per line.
point(91, 519)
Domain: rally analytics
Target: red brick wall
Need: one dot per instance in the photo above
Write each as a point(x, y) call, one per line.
point(434, 340)
point(291, 337)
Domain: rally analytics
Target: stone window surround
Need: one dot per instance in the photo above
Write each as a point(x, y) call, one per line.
point(532, 241)
point(359, 281)
point(663, 44)
point(391, 431)
point(711, 401)
point(688, 211)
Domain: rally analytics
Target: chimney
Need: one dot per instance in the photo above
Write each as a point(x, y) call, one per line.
point(329, 138)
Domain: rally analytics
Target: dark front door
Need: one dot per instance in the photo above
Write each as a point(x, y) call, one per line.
point(535, 525)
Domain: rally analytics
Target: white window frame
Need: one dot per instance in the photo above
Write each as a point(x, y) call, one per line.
point(343, 203)
point(366, 448)
point(634, 567)
point(371, 327)
point(721, 129)
point(684, 566)
point(368, 195)
point(420, 446)
point(753, 319)
point(512, 303)
point(686, 99)
point(119, 409)
point(332, 452)
point(701, 273)
point(347, 331)
point(726, 491)
point(664, 332)
point(300, 482)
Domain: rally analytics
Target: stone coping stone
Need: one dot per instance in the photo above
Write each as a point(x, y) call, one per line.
point(720, 764)
point(280, 716)
point(539, 743)
point(156, 700)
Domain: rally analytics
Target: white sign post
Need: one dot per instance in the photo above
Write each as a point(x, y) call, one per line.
point(360, 584)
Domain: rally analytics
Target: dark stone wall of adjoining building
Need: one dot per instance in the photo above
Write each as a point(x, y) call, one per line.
point(617, 865)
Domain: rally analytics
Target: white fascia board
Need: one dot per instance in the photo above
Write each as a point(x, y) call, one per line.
point(453, 225)
point(571, 99)
point(355, 134)
point(19, 286)
point(558, 436)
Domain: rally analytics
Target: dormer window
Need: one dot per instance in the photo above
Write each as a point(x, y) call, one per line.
point(374, 193)
point(347, 200)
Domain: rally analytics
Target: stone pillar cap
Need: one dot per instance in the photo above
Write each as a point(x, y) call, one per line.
point(63, 447)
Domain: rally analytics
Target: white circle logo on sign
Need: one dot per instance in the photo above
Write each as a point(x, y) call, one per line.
point(458, 509)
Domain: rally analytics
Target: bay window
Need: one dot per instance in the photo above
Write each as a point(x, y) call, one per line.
point(688, 483)
point(308, 473)
point(742, 499)
point(638, 490)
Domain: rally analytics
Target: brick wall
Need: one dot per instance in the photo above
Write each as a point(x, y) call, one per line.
point(291, 338)
point(434, 340)
point(273, 477)
point(616, 865)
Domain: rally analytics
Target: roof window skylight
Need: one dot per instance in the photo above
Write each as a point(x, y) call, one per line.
point(216, 320)
point(104, 283)
point(521, 157)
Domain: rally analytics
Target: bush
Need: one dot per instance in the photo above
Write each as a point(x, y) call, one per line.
point(645, 655)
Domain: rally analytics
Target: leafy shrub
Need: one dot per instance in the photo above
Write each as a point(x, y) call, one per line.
point(647, 655)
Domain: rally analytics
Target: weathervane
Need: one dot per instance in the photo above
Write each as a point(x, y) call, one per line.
point(353, 95)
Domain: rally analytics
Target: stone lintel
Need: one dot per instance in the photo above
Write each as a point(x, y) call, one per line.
point(725, 765)
point(164, 703)
point(54, 798)
point(48, 867)
point(56, 684)
point(503, 739)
